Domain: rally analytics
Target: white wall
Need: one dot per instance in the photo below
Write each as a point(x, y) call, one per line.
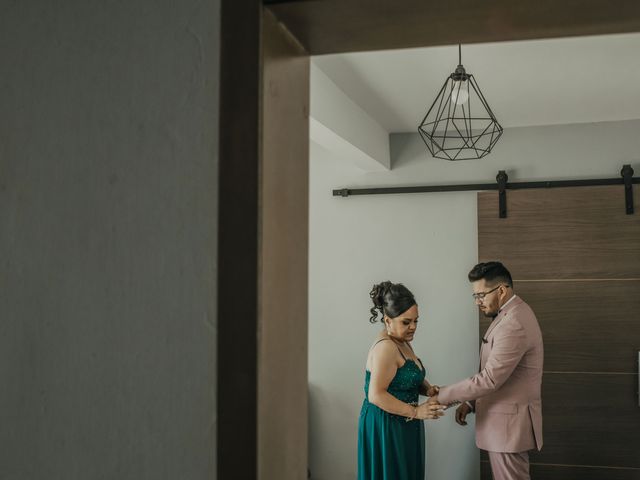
point(428, 242)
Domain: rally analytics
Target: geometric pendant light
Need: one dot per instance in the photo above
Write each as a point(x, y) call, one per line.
point(460, 125)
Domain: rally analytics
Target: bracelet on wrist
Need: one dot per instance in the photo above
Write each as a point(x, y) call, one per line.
point(413, 417)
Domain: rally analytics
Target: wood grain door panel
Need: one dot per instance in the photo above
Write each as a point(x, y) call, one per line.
point(590, 419)
point(568, 472)
point(574, 255)
point(574, 416)
point(561, 233)
point(585, 325)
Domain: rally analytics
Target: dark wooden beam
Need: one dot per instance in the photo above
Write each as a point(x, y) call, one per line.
point(239, 151)
point(337, 26)
point(283, 385)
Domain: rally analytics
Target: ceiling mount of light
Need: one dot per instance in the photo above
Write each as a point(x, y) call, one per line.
point(460, 125)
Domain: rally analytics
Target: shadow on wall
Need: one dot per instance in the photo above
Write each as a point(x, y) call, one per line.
point(312, 427)
point(332, 422)
point(315, 425)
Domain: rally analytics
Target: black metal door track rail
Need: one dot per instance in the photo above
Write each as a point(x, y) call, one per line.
point(502, 185)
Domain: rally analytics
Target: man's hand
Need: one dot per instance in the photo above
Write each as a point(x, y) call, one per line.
point(461, 413)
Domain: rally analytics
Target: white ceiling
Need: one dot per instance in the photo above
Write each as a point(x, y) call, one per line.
point(534, 82)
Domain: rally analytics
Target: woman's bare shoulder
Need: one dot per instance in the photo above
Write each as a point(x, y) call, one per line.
point(383, 348)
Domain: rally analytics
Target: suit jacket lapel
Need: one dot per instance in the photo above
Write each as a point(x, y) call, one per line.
point(496, 321)
point(485, 338)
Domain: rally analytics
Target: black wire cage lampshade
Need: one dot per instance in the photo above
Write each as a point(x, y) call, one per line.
point(460, 124)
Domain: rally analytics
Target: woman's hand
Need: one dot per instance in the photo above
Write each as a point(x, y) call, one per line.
point(429, 411)
point(433, 390)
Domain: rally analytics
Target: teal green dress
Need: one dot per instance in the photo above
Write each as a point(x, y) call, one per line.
point(389, 447)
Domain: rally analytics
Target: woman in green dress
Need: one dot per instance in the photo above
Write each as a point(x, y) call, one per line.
point(391, 428)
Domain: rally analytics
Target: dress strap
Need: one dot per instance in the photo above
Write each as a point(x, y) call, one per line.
point(381, 340)
point(397, 346)
point(403, 357)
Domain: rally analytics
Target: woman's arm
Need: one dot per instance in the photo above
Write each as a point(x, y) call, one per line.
point(428, 390)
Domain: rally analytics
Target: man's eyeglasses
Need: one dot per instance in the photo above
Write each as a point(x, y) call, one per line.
point(480, 295)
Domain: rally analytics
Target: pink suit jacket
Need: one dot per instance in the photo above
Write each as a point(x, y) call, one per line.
point(506, 391)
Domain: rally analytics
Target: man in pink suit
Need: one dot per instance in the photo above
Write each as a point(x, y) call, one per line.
point(505, 393)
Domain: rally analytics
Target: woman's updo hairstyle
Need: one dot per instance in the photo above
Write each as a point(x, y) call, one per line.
point(391, 299)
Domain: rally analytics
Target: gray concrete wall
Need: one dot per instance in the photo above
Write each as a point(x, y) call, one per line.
point(108, 211)
point(429, 242)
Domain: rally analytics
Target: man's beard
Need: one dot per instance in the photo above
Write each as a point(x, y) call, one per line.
point(491, 315)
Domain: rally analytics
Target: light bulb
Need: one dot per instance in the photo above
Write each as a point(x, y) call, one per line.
point(460, 92)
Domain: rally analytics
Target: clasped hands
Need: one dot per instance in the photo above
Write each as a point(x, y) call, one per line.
point(461, 412)
point(430, 410)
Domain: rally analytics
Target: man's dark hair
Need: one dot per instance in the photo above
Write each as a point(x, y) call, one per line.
point(492, 272)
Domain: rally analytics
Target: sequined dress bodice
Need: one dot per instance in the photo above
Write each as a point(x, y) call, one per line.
point(405, 385)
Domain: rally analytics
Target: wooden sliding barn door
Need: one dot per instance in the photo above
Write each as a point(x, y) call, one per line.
point(575, 258)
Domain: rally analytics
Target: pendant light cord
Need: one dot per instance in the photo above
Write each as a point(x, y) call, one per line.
point(459, 54)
